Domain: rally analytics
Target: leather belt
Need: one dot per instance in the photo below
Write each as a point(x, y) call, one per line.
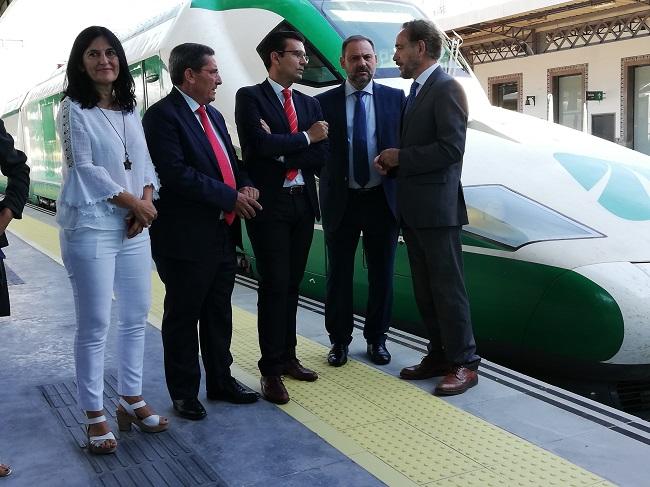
point(364, 190)
point(300, 189)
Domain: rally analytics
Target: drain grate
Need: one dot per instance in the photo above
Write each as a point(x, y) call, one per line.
point(162, 459)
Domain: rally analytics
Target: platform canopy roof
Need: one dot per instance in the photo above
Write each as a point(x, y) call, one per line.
point(527, 27)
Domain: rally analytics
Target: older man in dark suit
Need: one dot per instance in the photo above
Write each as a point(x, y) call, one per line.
point(282, 135)
point(363, 119)
point(203, 194)
point(428, 166)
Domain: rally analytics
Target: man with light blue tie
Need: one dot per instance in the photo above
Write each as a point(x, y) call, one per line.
point(356, 200)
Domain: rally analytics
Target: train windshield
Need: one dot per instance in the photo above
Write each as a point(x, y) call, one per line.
point(503, 216)
point(381, 21)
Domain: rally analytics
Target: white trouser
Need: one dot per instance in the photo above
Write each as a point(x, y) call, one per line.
point(100, 262)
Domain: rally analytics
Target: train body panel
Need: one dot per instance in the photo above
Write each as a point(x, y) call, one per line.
point(556, 252)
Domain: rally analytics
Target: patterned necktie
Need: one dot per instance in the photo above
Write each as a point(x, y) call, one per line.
point(411, 98)
point(222, 158)
point(292, 118)
point(360, 141)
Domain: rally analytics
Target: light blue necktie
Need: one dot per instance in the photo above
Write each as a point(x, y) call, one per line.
point(360, 141)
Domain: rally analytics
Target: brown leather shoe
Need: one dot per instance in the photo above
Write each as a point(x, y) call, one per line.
point(426, 369)
point(457, 381)
point(295, 369)
point(273, 389)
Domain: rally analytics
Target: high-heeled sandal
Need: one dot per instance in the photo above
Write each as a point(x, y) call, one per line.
point(5, 470)
point(127, 416)
point(96, 443)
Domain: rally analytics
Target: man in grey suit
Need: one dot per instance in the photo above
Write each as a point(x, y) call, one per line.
point(432, 209)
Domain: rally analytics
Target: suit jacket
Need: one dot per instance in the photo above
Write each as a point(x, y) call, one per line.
point(192, 193)
point(429, 192)
point(13, 164)
point(334, 176)
point(261, 150)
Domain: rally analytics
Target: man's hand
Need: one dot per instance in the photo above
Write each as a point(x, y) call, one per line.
point(265, 126)
point(245, 206)
point(386, 160)
point(6, 215)
point(318, 131)
point(250, 191)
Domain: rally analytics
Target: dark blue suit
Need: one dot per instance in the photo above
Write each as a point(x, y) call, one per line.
point(281, 233)
point(348, 212)
point(193, 249)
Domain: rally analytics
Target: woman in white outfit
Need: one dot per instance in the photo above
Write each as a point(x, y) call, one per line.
point(104, 211)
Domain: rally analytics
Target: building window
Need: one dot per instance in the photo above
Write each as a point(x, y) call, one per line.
point(568, 86)
point(635, 103)
point(506, 91)
point(603, 125)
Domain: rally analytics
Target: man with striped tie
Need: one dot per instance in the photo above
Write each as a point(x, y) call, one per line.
point(203, 195)
point(283, 139)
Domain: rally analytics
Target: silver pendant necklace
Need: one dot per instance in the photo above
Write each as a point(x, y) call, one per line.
point(127, 162)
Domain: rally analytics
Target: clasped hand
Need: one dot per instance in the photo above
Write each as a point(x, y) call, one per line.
point(139, 217)
point(386, 160)
point(246, 203)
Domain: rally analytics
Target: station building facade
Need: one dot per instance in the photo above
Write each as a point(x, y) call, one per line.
point(585, 68)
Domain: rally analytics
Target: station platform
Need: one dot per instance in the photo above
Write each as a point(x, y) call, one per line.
point(358, 425)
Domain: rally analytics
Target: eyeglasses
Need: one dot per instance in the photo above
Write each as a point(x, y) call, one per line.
point(298, 54)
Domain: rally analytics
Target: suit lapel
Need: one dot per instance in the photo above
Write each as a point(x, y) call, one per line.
point(274, 101)
point(193, 125)
point(223, 133)
point(380, 110)
point(433, 78)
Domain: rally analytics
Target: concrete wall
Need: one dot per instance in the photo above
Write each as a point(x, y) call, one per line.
point(604, 74)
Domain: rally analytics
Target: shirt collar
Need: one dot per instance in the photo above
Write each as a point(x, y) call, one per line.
point(191, 102)
point(424, 76)
point(277, 87)
point(349, 89)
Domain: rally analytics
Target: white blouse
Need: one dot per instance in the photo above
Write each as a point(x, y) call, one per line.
point(93, 165)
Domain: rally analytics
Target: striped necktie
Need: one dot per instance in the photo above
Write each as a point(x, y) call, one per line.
point(292, 118)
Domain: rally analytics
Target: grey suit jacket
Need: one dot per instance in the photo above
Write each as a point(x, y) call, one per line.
point(432, 143)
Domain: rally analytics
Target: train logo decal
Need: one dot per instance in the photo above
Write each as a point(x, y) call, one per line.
point(625, 193)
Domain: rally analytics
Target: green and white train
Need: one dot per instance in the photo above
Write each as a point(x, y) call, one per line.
point(557, 252)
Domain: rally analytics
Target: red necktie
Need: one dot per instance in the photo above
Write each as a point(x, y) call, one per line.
point(222, 158)
point(292, 118)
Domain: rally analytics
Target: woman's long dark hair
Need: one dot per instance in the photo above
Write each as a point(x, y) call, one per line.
point(81, 88)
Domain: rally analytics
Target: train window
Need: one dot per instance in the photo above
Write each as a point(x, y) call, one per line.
point(504, 216)
point(380, 21)
point(318, 72)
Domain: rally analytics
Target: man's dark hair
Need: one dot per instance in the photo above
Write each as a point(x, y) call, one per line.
point(425, 30)
point(79, 86)
point(277, 41)
point(188, 55)
point(355, 38)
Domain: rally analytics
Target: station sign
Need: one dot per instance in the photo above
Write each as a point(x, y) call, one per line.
point(595, 95)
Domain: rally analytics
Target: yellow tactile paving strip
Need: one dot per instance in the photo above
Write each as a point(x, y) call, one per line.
point(399, 433)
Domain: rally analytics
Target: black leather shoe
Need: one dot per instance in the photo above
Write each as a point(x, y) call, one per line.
point(234, 392)
point(378, 353)
point(338, 355)
point(189, 408)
